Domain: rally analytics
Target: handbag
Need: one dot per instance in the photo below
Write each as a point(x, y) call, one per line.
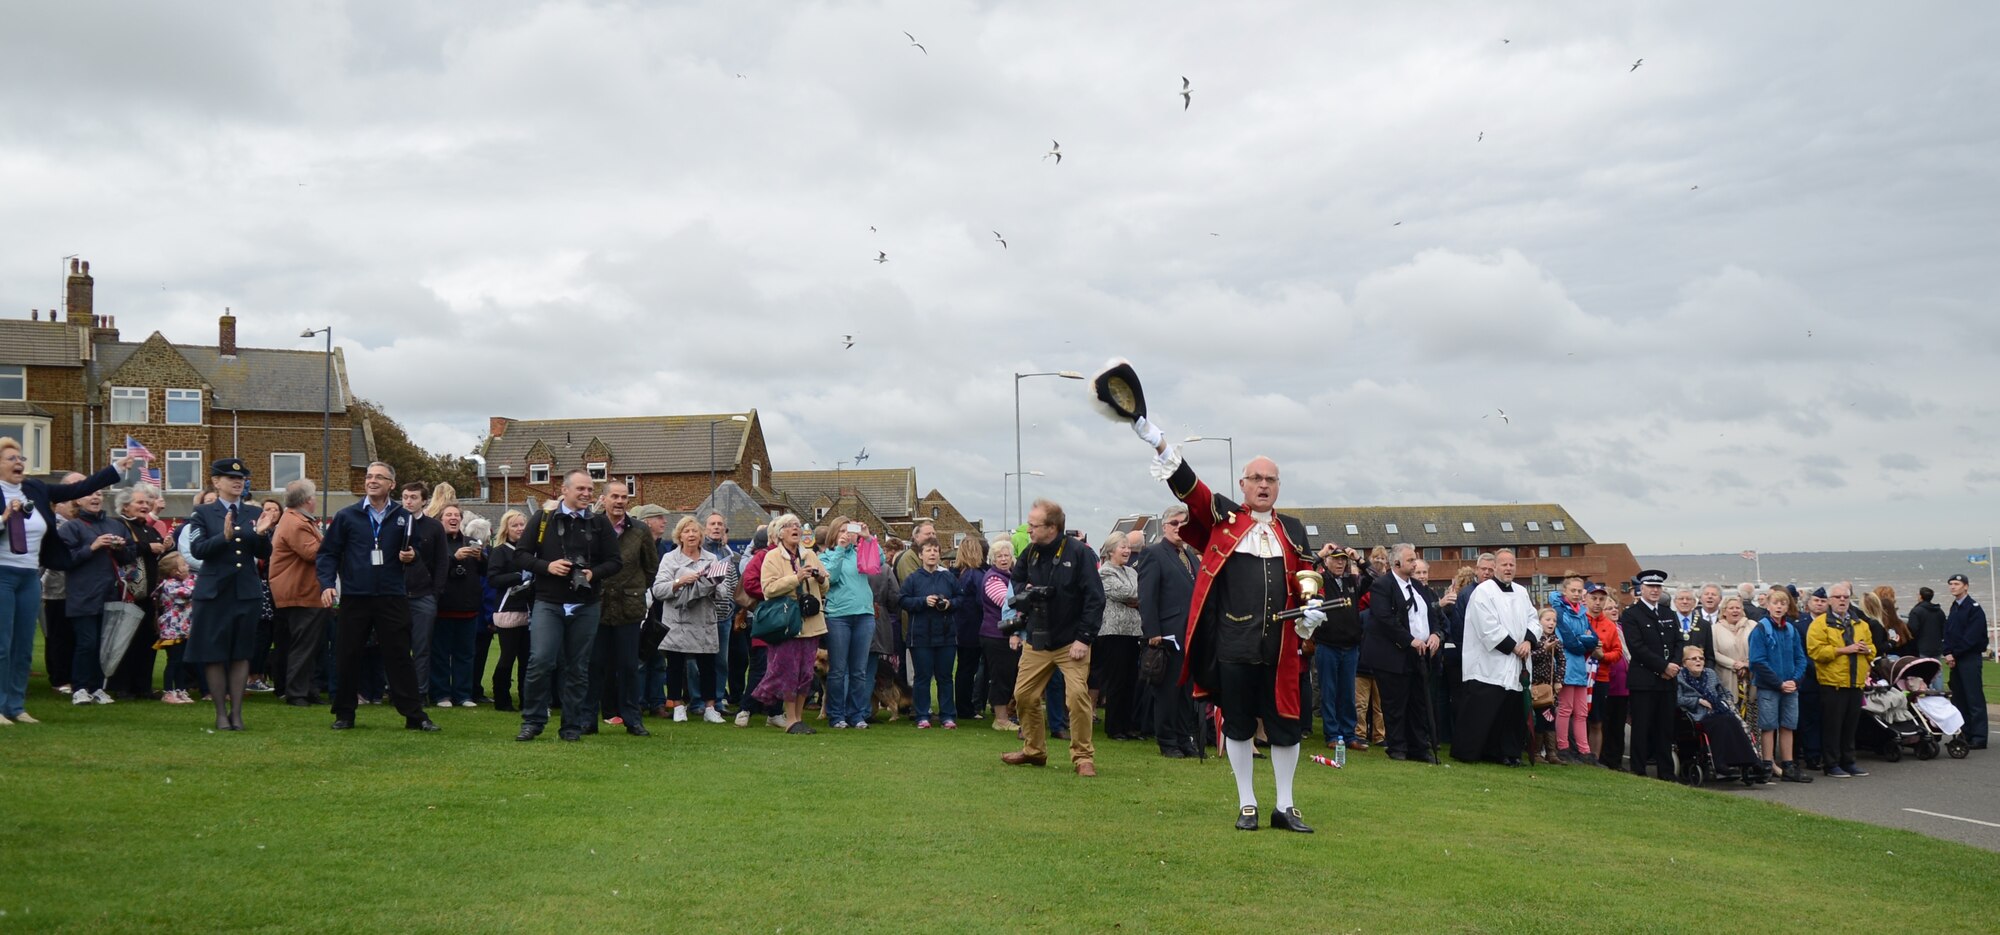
point(1153, 665)
point(777, 620)
point(1544, 694)
point(809, 605)
point(868, 556)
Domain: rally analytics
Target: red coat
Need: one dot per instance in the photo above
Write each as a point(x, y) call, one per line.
point(1215, 524)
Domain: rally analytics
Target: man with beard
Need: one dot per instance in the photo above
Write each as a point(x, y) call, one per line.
point(1500, 629)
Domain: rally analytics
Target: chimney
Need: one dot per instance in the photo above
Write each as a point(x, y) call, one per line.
point(78, 294)
point(496, 426)
point(36, 312)
point(226, 341)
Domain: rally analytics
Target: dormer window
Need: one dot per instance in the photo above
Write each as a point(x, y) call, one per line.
point(597, 470)
point(538, 473)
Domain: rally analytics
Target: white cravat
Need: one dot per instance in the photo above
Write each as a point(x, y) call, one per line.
point(1261, 540)
point(1420, 618)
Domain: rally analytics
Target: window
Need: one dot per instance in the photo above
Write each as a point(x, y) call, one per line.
point(183, 407)
point(131, 475)
point(934, 512)
point(33, 434)
point(597, 470)
point(1468, 528)
point(14, 383)
point(1556, 525)
point(183, 470)
point(632, 485)
point(1433, 554)
point(819, 513)
point(538, 473)
point(1506, 526)
point(1353, 530)
point(1534, 526)
point(1542, 552)
point(1312, 530)
point(1391, 529)
point(286, 466)
point(756, 474)
point(1467, 553)
point(1431, 528)
point(957, 539)
point(1565, 551)
point(128, 404)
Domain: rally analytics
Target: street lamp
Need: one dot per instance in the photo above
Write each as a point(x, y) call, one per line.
point(1017, 472)
point(1217, 438)
point(711, 449)
point(506, 484)
point(1003, 489)
point(326, 421)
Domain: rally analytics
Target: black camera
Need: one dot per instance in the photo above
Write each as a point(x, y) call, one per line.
point(1031, 609)
point(577, 579)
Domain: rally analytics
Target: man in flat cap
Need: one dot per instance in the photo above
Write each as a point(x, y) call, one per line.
point(1653, 643)
point(228, 537)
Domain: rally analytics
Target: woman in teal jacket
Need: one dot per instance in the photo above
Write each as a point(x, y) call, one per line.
point(850, 628)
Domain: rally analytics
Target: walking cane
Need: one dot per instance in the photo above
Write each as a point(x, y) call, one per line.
point(1430, 701)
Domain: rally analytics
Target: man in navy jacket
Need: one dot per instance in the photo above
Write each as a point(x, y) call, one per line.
point(1166, 589)
point(1964, 652)
point(366, 550)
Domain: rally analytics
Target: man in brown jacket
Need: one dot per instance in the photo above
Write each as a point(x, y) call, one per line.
point(295, 592)
point(615, 655)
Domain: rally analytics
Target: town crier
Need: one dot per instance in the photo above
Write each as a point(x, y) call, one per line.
point(1243, 649)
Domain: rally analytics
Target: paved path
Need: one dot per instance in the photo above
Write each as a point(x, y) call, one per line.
point(1961, 797)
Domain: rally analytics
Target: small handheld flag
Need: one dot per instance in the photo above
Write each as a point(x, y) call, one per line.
point(137, 451)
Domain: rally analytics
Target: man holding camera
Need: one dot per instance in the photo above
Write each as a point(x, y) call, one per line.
point(568, 549)
point(1058, 604)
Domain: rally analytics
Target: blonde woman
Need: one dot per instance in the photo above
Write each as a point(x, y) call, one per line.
point(510, 616)
point(792, 569)
point(1731, 664)
point(441, 496)
point(686, 588)
point(1002, 653)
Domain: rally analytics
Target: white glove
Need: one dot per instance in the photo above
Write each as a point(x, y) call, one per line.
point(1311, 621)
point(1147, 431)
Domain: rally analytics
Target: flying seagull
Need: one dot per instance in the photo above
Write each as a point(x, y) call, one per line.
point(1055, 149)
point(1506, 40)
point(1482, 137)
point(871, 228)
point(1003, 240)
point(847, 341)
point(1503, 416)
point(1694, 188)
point(881, 256)
point(919, 45)
point(1397, 224)
point(1187, 96)
point(1635, 66)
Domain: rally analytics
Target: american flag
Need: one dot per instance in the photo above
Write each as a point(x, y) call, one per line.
point(137, 451)
point(1749, 555)
point(151, 476)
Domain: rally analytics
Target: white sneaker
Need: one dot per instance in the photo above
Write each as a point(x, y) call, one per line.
point(680, 714)
point(6, 721)
point(742, 719)
point(80, 697)
point(778, 721)
point(445, 703)
point(712, 716)
point(26, 718)
point(468, 704)
point(100, 697)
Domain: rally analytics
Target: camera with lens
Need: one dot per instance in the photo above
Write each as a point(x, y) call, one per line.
point(1031, 609)
point(577, 579)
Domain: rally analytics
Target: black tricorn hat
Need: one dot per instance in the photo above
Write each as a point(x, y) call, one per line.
point(1116, 388)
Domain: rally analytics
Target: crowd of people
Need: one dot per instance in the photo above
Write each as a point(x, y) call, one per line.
point(613, 613)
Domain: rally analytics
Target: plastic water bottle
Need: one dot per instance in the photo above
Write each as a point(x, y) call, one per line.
point(1340, 752)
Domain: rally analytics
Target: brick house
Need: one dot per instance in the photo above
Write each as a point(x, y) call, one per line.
point(1546, 539)
point(665, 460)
point(74, 390)
point(887, 497)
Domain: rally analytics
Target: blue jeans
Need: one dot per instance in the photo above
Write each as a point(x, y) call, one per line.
point(928, 663)
point(20, 598)
point(451, 658)
point(87, 671)
point(1336, 690)
point(555, 640)
point(849, 683)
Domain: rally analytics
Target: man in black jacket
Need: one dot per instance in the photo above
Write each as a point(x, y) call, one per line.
point(569, 550)
point(1398, 643)
point(1059, 627)
point(423, 573)
point(1927, 628)
point(1337, 648)
point(1166, 587)
point(362, 555)
point(1652, 636)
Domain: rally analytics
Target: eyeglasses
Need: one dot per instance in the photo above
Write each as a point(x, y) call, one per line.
point(1175, 522)
point(1261, 478)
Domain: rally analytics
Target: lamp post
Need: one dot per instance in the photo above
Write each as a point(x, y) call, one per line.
point(326, 421)
point(711, 449)
point(1217, 438)
point(1003, 489)
point(506, 484)
point(1017, 472)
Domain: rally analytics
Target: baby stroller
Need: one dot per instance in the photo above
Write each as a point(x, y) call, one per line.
point(1888, 723)
point(1938, 722)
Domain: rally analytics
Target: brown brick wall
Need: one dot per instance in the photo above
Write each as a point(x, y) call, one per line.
point(59, 391)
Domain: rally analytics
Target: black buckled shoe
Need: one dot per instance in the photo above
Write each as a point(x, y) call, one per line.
point(1288, 819)
point(423, 724)
point(527, 733)
point(1246, 819)
point(638, 730)
point(343, 724)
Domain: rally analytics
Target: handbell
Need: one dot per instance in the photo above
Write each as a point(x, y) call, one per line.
point(1310, 584)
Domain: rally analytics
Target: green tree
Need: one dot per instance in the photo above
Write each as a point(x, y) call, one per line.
point(411, 461)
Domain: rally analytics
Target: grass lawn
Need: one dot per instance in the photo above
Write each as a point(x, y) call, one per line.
point(134, 817)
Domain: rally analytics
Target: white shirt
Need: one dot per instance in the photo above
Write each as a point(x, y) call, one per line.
point(1420, 615)
point(1493, 616)
point(37, 528)
point(1261, 540)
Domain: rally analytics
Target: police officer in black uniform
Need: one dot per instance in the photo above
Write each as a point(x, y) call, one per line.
point(228, 537)
point(1653, 644)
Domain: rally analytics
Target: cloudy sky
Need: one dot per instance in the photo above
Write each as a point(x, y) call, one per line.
point(1739, 297)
